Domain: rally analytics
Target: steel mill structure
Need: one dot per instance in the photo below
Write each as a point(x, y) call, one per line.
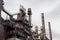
point(20, 28)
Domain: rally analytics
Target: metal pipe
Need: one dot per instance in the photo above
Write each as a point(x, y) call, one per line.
point(36, 29)
point(43, 26)
point(50, 30)
point(6, 12)
point(29, 13)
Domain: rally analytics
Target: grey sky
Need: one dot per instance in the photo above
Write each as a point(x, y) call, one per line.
point(51, 8)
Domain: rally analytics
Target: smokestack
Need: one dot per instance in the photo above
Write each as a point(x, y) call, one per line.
point(29, 13)
point(43, 26)
point(43, 22)
point(50, 30)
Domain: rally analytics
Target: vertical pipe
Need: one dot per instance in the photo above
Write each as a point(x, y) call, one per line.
point(43, 22)
point(36, 29)
point(50, 30)
point(43, 26)
point(1, 6)
point(29, 13)
point(29, 19)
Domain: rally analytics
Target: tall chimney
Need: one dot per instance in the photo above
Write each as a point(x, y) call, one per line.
point(50, 30)
point(43, 22)
point(29, 13)
point(43, 26)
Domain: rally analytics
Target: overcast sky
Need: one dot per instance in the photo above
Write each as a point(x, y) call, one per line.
point(51, 9)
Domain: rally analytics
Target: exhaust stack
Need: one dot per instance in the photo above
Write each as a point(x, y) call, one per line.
point(50, 30)
point(43, 26)
point(29, 13)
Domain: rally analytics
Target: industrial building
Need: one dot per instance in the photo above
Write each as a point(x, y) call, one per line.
point(20, 28)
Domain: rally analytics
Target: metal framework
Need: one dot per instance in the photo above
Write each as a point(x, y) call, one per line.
point(21, 27)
